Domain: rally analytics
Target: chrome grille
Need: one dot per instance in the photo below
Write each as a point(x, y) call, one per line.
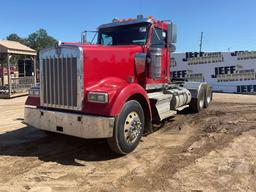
point(61, 79)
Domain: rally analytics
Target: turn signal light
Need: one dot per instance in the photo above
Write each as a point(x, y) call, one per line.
point(34, 92)
point(97, 97)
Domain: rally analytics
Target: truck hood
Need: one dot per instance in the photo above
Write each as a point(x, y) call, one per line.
point(102, 62)
point(70, 70)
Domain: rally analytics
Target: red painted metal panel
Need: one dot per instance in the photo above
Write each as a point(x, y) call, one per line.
point(119, 91)
point(33, 101)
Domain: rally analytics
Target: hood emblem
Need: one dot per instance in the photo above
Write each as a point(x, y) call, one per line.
point(58, 48)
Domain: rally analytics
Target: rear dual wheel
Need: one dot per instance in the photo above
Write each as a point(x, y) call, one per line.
point(203, 99)
point(208, 96)
point(128, 129)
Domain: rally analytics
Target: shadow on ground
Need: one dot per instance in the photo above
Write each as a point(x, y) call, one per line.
point(31, 142)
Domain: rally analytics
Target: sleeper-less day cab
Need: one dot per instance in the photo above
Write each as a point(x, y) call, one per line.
point(115, 89)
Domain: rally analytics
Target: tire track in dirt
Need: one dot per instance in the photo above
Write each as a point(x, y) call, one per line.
point(231, 122)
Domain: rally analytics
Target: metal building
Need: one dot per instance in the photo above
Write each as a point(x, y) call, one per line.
point(230, 72)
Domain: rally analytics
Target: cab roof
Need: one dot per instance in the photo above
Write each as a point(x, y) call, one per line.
point(131, 21)
point(117, 23)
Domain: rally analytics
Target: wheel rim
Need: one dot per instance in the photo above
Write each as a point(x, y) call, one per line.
point(132, 127)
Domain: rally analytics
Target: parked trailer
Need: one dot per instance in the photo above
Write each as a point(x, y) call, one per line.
point(115, 89)
point(230, 72)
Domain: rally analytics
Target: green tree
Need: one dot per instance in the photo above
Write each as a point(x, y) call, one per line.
point(15, 37)
point(37, 40)
point(40, 40)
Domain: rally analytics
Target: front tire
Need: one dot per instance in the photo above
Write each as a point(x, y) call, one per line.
point(129, 128)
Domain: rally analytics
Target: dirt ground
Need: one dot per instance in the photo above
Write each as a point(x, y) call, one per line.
point(214, 150)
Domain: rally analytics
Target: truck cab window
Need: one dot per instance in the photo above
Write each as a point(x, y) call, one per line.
point(159, 38)
point(124, 35)
point(106, 39)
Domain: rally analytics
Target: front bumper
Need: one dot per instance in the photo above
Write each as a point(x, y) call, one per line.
point(84, 126)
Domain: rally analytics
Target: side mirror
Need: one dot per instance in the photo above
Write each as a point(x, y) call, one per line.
point(172, 34)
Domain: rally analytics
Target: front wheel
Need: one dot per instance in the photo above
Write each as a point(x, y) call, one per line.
point(128, 129)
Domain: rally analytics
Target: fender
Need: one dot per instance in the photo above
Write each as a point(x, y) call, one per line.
point(127, 92)
point(194, 87)
point(119, 91)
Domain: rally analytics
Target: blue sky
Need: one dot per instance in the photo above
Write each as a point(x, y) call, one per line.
point(227, 24)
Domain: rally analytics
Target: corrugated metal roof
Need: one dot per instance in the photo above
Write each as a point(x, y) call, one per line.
point(14, 47)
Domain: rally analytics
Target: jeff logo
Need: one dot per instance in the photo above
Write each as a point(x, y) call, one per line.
point(246, 88)
point(224, 71)
point(179, 74)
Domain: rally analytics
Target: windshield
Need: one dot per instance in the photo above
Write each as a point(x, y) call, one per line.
point(124, 35)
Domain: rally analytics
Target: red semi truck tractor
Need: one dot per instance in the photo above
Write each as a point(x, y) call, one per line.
point(117, 88)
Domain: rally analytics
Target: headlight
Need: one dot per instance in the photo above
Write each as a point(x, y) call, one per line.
point(34, 92)
point(97, 97)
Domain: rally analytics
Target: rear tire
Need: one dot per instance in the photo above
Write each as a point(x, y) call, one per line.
point(208, 96)
point(197, 104)
point(129, 128)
